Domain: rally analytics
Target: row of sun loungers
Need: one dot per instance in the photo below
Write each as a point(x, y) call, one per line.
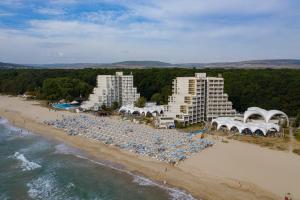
point(165, 145)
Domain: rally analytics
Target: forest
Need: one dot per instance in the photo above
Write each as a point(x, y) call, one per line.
point(265, 88)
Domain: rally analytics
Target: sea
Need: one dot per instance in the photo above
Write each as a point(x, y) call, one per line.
point(34, 167)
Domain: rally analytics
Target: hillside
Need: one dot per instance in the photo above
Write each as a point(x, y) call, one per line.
point(142, 64)
point(10, 66)
point(252, 64)
point(67, 65)
point(276, 63)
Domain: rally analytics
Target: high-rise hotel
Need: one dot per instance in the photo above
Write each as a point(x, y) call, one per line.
point(197, 99)
point(112, 88)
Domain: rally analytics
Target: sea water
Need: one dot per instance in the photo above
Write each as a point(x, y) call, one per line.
point(32, 167)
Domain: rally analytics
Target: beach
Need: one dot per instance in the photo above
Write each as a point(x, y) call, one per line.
point(232, 170)
point(34, 167)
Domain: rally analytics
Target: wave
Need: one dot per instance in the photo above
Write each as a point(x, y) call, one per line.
point(38, 146)
point(46, 187)
point(41, 188)
point(175, 194)
point(142, 181)
point(26, 164)
point(65, 149)
point(19, 131)
point(3, 196)
point(3, 120)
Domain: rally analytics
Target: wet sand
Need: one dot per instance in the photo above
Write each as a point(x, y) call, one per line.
point(231, 170)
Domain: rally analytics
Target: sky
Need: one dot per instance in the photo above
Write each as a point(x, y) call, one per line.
point(181, 31)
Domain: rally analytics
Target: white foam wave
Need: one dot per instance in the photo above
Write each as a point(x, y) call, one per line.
point(12, 128)
point(3, 120)
point(42, 188)
point(37, 146)
point(70, 185)
point(3, 196)
point(45, 187)
point(142, 180)
point(65, 149)
point(26, 164)
point(175, 194)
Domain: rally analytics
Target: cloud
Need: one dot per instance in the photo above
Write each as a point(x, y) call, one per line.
point(169, 30)
point(6, 14)
point(169, 9)
point(50, 11)
point(62, 2)
point(54, 44)
point(11, 3)
point(105, 17)
point(60, 54)
point(67, 29)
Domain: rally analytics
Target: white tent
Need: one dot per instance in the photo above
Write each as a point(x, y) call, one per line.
point(266, 115)
point(74, 102)
point(231, 123)
point(147, 109)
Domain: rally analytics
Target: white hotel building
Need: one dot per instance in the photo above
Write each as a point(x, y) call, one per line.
point(197, 99)
point(112, 88)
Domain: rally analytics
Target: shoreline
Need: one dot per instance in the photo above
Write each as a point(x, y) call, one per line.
point(102, 159)
point(200, 185)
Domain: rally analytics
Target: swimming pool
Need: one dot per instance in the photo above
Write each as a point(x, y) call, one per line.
point(64, 106)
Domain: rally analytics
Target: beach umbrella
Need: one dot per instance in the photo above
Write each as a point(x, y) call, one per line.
point(74, 102)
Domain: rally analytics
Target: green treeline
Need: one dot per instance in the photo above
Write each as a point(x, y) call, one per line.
point(266, 88)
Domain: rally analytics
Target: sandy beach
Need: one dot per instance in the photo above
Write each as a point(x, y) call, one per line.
point(232, 170)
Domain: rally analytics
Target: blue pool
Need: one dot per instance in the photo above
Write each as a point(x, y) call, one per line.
point(64, 106)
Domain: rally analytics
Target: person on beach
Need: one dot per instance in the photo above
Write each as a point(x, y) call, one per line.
point(288, 196)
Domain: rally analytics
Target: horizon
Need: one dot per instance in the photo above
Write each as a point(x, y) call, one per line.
point(109, 63)
point(109, 31)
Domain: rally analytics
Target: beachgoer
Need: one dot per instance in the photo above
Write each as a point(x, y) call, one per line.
point(288, 196)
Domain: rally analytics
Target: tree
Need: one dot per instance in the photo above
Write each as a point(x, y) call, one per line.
point(141, 102)
point(115, 105)
point(265, 88)
point(297, 121)
point(179, 124)
point(104, 107)
point(156, 97)
point(64, 88)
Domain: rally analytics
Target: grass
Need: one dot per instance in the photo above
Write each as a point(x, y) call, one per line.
point(296, 151)
point(193, 127)
point(278, 143)
point(286, 131)
point(224, 141)
point(297, 135)
point(219, 133)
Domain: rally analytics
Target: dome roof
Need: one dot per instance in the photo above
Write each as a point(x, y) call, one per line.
point(267, 115)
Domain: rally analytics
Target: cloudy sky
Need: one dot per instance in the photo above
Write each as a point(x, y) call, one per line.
point(176, 31)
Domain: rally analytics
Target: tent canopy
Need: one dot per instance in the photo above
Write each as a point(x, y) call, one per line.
point(266, 115)
point(231, 123)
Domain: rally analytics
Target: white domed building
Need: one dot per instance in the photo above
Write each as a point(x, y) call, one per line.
point(255, 121)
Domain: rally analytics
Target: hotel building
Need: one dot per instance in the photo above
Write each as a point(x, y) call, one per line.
point(198, 98)
point(112, 88)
